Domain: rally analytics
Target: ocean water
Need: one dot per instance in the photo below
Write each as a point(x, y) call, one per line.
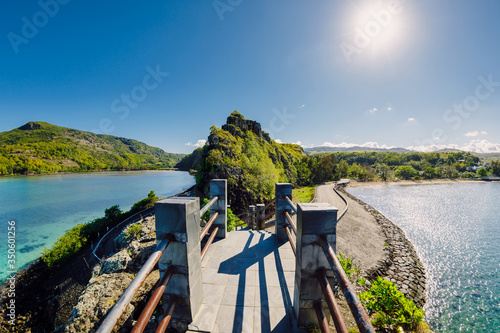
point(44, 207)
point(456, 231)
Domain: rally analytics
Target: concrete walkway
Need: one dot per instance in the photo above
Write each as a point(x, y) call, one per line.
point(248, 281)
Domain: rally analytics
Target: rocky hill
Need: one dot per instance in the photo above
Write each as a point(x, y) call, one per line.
point(241, 152)
point(39, 147)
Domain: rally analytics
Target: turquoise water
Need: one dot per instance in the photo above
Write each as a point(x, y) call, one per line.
point(456, 231)
point(44, 207)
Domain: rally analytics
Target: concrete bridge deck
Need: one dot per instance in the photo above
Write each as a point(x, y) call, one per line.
point(248, 281)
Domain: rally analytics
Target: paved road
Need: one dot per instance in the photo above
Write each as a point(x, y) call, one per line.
point(358, 234)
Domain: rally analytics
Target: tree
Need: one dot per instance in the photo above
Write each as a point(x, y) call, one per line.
point(495, 168)
point(482, 172)
point(405, 172)
point(429, 173)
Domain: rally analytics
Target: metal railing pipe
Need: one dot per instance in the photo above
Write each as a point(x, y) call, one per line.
point(162, 326)
point(292, 205)
point(322, 320)
point(116, 312)
point(153, 301)
point(290, 221)
point(208, 225)
point(209, 242)
point(207, 206)
point(269, 204)
point(344, 200)
point(334, 308)
point(292, 242)
point(357, 309)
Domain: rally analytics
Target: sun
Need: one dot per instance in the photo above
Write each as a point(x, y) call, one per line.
point(375, 28)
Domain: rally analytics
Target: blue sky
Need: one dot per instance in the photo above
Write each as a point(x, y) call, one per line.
point(412, 73)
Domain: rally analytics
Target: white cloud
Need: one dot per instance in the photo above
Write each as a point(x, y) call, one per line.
point(350, 145)
point(389, 108)
point(475, 133)
point(373, 110)
point(411, 119)
point(302, 106)
point(297, 143)
point(278, 141)
point(199, 143)
point(475, 146)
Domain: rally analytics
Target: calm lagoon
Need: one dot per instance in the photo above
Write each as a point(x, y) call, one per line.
point(456, 231)
point(44, 207)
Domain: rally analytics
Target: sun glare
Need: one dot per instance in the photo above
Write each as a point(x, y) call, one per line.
point(374, 28)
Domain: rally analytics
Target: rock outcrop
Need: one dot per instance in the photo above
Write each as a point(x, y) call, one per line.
point(133, 247)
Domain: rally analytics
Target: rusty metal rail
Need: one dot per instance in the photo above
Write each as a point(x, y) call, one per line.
point(290, 222)
point(207, 206)
point(116, 312)
point(292, 242)
point(204, 231)
point(357, 309)
point(344, 200)
point(322, 320)
point(209, 242)
point(292, 205)
point(334, 308)
point(153, 301)
point(162, 326)
point(269, 204)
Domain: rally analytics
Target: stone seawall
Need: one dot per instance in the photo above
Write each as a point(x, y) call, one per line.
point(401, 264)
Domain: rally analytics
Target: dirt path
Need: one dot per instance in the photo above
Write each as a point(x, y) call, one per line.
point(359, 236)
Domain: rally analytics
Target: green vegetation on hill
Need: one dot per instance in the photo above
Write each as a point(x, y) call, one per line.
point(248, 158)
point(39, 147)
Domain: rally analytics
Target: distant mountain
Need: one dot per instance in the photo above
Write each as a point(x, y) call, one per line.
point(351, 149)
point(39, 147)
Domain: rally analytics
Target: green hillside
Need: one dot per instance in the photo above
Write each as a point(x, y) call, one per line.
point(39, 147)
point(248, 158)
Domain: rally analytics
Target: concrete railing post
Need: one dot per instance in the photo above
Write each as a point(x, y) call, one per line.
point(282, 190)
point(251, 219)
point(218, 188)
point(181, 217)
point(313, 220)
point(260, 217)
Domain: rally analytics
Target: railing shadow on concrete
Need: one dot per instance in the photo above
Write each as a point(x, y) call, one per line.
point(178, 256)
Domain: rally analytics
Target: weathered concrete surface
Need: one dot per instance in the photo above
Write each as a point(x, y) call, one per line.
point(248, 281)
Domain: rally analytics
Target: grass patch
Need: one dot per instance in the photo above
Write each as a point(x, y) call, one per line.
point(303, 194)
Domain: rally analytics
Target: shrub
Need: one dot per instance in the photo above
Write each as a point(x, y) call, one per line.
point(145, 203)
point(352, 271)
point(390, 308)
point(65, 246)
point(232, 220)
point(133, 231)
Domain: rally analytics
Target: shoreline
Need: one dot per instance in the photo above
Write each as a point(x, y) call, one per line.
point(401, 263)
point(357, 183)
point(85, 172)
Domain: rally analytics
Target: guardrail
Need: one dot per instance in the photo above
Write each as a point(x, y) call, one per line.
point(316, 227)
point(177, 219)
point(116, 312)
